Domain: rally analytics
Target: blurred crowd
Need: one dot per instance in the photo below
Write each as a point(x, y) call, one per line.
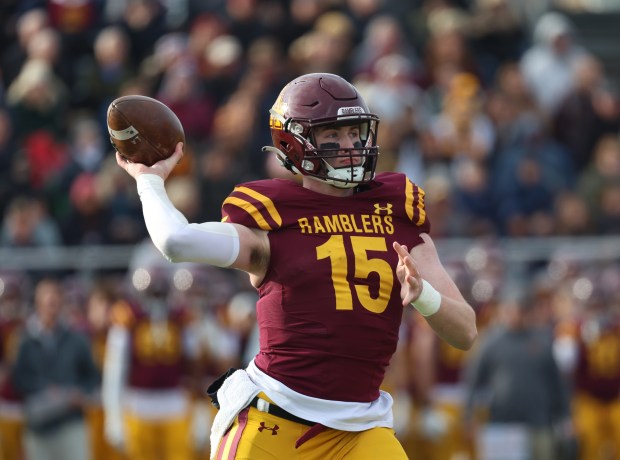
point(496, 108)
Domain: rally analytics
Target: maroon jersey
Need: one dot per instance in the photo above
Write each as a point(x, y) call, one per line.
point(598, 365)
point(330, 307)
point(157, 359)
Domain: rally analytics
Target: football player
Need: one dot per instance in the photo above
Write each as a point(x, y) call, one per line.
point(595, 339)
point(148, 372)
point(335, 259)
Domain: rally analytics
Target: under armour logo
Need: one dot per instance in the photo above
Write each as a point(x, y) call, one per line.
point(274, 429)
point(387, 209)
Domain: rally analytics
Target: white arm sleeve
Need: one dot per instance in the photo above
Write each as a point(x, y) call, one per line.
point(214, 243)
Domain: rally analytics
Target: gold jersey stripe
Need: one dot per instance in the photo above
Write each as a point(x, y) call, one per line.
point(250, 209)
point(414, 201)
point(265, 201)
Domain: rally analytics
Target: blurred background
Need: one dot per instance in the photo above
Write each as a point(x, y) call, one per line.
point(506, 112)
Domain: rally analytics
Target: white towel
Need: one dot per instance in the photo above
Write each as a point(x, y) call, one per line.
point(236, 392)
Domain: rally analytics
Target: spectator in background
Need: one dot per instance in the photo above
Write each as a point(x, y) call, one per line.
point(264, 75)
point(588, 112)
point(27, 223)
point(123, 208)
point(512, 108)
point(393, 95)
point(200, 34)
point(534, 160)
point(525, 201)
point(608, 222)
point(474, 200)
point(362, 12)
point(462, 129)
point(223, 67)
point(38, 100)
point(526, 395)
point(601, 173)
point(46, 45)
point(338, 30)
point(169, 51)
point(548, 64)
point(55, 372)
point(16, 53)
point(144, 21)
point(77, 22)
point(383, 36)
point(303, 14)
point(572, 215)
point(497, 34)
point(87, 220)
point(446, 48)
point(243, 20)
point(327, 47)
point(183, 91)
point(86, 148)
point(100, 76)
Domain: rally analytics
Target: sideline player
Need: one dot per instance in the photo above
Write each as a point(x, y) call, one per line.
point(334, 260)
point(148, 373)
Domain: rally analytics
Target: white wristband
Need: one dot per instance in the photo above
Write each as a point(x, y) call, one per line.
point(429, 300)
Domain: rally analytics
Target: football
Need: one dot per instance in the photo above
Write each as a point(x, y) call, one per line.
point(142, 129)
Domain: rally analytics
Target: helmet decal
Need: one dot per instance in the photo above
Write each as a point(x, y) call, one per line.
point(350, 110)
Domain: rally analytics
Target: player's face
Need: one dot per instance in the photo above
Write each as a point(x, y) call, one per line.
point(340, 137)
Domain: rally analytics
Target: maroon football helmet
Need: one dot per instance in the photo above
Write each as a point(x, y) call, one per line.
point(320, 99)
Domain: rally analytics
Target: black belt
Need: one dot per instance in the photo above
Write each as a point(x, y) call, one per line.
point(279, 412)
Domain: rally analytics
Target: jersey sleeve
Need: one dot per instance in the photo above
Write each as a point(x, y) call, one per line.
point(415, 206)
point(252, 205)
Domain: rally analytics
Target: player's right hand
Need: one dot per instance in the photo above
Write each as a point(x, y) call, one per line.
point(162, 168)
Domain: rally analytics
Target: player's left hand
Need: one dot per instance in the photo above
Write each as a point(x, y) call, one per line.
point(408, 275)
